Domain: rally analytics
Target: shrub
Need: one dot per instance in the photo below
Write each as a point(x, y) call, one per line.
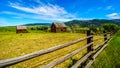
point(110, 27)
point(44, 28)
point(93, 28)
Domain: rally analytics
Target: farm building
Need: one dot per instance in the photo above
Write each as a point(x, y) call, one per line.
point(58, 27)
point(21, 29)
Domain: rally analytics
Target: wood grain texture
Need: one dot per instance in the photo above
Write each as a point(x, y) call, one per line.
point(52, 64)
point(77, 64)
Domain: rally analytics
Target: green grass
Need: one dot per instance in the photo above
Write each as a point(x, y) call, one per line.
point(8, 29)
point(110, 57)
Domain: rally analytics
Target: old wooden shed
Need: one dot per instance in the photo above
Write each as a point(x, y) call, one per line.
point(58, 27)
point(21, 29)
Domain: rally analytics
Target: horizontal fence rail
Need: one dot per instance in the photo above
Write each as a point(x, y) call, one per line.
point(91, 61)
point(52, 64)
point(77, 64)
point(95, 47)
point(35, 54)
point(97, 39)
point(90, 52)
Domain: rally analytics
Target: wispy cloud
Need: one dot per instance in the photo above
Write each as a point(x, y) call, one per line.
point(35, 16)
point(106, 8)
point(114, 15)
point(48, 11)
point(42, 11)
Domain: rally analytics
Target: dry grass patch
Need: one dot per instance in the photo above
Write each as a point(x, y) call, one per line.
point(13, 45)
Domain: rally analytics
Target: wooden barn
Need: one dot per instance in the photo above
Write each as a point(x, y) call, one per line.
point(58, 27)
point(21, 29)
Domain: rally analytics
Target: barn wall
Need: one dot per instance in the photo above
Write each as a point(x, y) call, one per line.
point(60, 29)
point(21, 31)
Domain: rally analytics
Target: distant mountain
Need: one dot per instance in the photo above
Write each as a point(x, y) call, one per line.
point(117, 21)
point(87, 23)
point(38, 24)
point(82, 23)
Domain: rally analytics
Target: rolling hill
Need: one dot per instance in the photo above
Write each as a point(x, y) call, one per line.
point(87, 23)
point(82, 23)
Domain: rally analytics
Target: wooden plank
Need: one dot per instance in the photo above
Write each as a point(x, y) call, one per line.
point(97, 39)
point(99, 51)
point(11, 61)
point(89, 40)
point(95, 47)
point(60, 60)
point(102, 34)
point(89, 64)
point(77, 64)
point(105, 35)
point(91, 61)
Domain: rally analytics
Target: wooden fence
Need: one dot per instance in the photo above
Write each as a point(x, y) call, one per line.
point(92, 52)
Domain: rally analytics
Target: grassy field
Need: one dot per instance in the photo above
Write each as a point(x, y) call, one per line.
point(110, 57)
point(13, 45)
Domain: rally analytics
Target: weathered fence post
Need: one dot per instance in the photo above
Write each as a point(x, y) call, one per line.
point(89, 48)
point(105, 35)
point(89, 40)
point(110, 33)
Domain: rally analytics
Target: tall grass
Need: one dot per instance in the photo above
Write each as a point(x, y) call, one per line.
point(110, 57)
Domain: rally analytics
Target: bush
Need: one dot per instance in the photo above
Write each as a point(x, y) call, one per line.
point(93, 28)
point(110, 27)
point(44, 28)
point(32, 28)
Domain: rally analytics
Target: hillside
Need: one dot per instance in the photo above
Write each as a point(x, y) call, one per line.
point(82, 23)
point(35, 24)
point(87, 23)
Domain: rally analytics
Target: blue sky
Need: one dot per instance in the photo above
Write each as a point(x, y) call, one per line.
point(16, 12)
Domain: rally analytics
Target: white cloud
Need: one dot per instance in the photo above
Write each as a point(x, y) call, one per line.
point(106, 8)
point(49, 10)
point(38, 17)
point(38, 1)
point(114, 16)
point(42, 11)
point(35, 16)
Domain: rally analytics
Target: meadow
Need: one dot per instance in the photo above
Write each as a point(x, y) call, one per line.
point(13, 45)
point(110, 57)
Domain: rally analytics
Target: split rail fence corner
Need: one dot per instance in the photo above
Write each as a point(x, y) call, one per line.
point(92, 52)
